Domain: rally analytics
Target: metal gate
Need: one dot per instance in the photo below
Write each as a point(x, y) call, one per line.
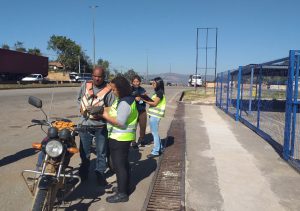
point(291, 150)
point(265, 97)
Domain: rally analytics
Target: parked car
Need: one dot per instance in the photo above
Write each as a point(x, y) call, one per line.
point(171, 84)
point(84, 77)
point(34, 78)
point(73, 77)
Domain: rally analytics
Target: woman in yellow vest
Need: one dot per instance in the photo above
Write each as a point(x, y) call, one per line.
point(156, 111)
point(121, 125)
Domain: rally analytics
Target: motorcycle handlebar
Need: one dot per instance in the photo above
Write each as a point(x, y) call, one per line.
point(39, 122)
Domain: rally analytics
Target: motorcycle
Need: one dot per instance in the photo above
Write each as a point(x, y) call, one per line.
point(53, 180)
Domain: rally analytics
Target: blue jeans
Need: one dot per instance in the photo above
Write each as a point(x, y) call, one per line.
point(154, 123)
point(86, 138)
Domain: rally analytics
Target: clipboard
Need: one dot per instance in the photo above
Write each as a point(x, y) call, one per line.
point(146, 97)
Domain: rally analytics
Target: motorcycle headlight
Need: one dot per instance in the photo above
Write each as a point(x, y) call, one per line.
point(54, 148)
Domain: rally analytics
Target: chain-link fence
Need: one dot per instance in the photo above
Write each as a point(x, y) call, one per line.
point(265, 98)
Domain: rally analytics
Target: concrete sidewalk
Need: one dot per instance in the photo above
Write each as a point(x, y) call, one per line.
point(229, 167)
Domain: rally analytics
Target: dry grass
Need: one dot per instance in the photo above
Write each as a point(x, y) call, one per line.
point(200, 96)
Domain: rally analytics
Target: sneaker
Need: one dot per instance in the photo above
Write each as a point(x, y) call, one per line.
point(118, 197)
point(134, 145)
point(101, 179)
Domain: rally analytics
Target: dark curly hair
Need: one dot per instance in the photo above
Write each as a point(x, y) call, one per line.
point(136, 77)
point(122, 85)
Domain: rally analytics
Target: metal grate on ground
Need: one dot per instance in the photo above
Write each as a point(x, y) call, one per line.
point(167, 191)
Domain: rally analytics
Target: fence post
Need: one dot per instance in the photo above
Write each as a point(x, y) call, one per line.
point(228, 79)
point(288, 106)
point(217, 89)
point(295, 107)
point(231, 90)
point(250, 91)
point(242, 95)
point(238, 94)
point(259, 96)
point(221, 90)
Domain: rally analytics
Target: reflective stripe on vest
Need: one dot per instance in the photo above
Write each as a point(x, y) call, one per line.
point(90, 99)
point(127, 133)
point(159, 110)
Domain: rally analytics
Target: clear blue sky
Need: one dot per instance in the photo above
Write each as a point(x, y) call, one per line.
point(250, 31)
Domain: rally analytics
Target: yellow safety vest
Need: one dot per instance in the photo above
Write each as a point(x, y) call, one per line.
point(127, 133)
point(91, 99)
point(159, 110)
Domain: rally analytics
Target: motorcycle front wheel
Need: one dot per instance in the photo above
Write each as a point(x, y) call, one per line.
point(43, 200)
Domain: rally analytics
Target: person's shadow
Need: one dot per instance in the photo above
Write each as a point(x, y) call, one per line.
point(17, 156)
point(166, 142)
point(88, 190)
point(140, 169)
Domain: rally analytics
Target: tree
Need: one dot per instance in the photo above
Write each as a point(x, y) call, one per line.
point(69, 53)
point(103, 63)
point(34, 51)
point(86, 63)
point(19, 46)
point(5, 46)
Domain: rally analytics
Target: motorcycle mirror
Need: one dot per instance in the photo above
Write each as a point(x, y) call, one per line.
point(97, 110)
point(36, 102)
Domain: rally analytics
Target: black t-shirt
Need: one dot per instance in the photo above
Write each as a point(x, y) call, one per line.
point(138, 91)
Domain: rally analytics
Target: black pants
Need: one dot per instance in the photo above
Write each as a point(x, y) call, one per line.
point(119, 151)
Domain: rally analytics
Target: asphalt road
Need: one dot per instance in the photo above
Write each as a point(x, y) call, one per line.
point(16, 153)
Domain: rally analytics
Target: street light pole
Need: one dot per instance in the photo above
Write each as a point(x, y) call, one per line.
point(94, 37)
point(196, 72)
point(147, 69)
point(79, 64)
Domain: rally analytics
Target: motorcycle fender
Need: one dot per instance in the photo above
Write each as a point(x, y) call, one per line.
point(46, 182)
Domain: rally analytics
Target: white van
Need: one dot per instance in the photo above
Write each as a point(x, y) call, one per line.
point(195, 79)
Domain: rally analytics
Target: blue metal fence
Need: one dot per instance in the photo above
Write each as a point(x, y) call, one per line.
point(265, 98)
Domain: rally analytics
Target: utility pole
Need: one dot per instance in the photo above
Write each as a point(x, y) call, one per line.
point(94, 37)
point(196, 73)
point(205, 60)
point(147, 68)
point(216, 54)
point(79, 64)
point(206, 48)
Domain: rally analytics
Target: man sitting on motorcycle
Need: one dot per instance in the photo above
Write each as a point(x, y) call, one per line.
point(94, 93)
